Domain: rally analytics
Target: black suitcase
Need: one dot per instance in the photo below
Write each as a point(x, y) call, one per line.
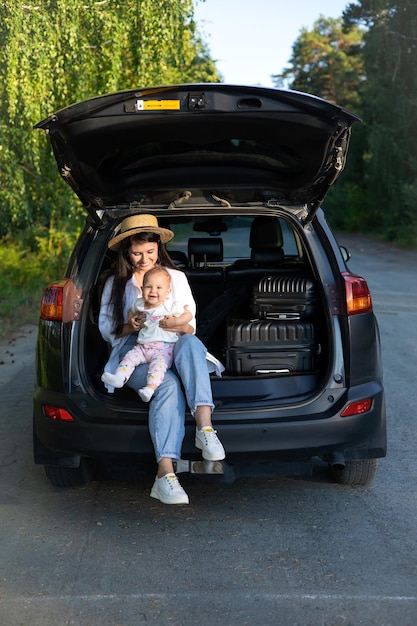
point(284, 297)
point(270, 347)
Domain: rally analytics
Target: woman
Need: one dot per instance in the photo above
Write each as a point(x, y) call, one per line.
point(140, 247)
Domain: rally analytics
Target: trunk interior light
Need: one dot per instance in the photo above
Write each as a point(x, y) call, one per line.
point(356, 408)
point(358, 297)
point(58, 414)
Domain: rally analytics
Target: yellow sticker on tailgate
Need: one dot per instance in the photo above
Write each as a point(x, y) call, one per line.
point(158, 105)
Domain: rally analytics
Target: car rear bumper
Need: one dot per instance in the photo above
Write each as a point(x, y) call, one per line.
point(247, 436)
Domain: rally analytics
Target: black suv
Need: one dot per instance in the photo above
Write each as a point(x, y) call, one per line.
point(239, 175)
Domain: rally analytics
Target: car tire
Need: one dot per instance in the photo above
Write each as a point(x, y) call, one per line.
point(361, 472)
point(71, 476)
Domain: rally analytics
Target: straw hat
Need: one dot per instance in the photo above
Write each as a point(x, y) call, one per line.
point(143, 223)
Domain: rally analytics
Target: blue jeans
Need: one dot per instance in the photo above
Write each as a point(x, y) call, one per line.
point(191, 366)
point(167, 407)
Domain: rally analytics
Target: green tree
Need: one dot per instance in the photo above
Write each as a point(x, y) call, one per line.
point(57, 52)
point(327, 62)
point(390, 112)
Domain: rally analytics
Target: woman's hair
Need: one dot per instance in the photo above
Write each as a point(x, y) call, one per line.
point(123, 271)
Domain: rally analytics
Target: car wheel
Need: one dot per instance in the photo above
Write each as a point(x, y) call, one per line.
point(71, 476)
point(361, 472)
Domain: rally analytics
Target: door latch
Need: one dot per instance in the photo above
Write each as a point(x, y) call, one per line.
point(196, 101)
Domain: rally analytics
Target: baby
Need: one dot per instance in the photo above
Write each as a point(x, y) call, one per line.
point(155, 345)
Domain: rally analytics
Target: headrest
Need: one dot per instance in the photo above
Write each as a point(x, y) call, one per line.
point(204, 249)
point(178, 258)
point(267, 256)
point(265, 233)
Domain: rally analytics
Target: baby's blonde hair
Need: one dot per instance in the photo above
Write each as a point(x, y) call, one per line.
point(154, 270)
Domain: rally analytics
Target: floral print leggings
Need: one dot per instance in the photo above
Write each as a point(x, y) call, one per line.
point(158, 354)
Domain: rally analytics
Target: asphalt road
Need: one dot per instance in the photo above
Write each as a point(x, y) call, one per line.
point(285, 551)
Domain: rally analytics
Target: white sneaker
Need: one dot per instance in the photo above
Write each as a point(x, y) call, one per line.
point(208, 442)
point(168, 490)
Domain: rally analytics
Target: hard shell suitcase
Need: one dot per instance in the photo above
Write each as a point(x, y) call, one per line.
point(265, 347)
point(284, 297)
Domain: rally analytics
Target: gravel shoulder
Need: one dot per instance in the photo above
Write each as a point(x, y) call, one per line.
point(17, 349)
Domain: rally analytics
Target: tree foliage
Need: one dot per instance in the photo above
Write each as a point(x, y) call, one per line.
point(57, 52)
point(327, 61)
point(390, 112)
point(366, 62)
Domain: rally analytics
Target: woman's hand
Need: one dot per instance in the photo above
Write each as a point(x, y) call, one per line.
point(178, 323)
point(170, 323)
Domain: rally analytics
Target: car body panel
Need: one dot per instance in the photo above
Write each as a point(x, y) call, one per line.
point(113, 150)
point(247, 437)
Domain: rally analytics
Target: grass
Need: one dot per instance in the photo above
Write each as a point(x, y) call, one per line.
point(27, 266)
point(19, 308)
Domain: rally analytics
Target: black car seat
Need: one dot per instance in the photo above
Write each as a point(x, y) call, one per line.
point(206, 281)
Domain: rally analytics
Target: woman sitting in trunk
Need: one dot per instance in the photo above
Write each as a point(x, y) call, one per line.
point(140, 247)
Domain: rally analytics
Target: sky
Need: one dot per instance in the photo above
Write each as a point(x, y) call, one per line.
point(252, 39)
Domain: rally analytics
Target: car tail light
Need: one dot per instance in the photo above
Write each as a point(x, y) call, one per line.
point(51, 305)
point(356, 408)
point(358, 296)
point(61, 302)
point(57, 413)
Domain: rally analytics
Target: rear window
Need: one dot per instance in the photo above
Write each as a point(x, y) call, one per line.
point(235, 233)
